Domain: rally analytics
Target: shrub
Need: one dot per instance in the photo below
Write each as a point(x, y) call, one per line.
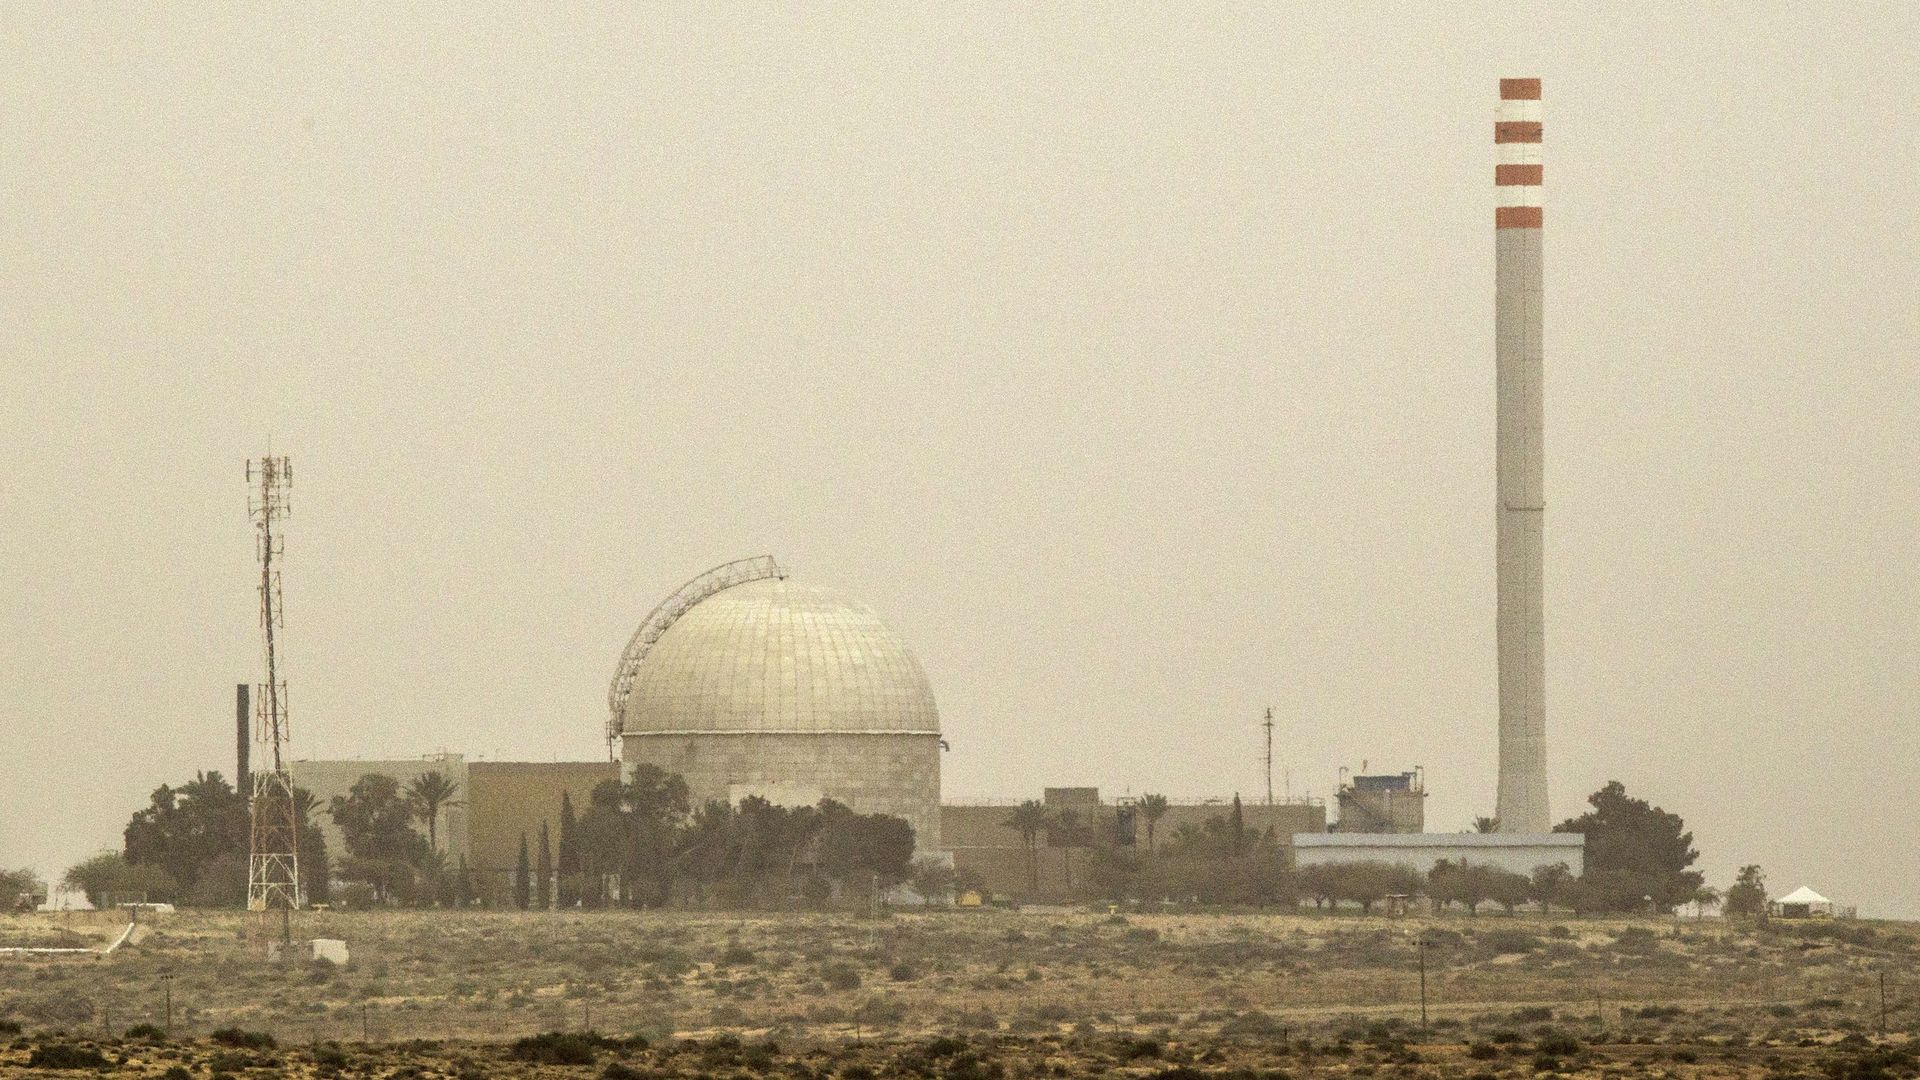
point(1506, 942)
point(735, 955)
point(1480, 1051)
point(617, 1071)
point(840, 975)
point(1135, 1049)
point(1546, 1063)
point(554, 1048)
point(1252, 1025)
point(63, 1056)
point(1557, 1044)
point(9, 1026)
point(243, 1040)
point(177, 1072)
point(1532, 1014)
point(901, 972)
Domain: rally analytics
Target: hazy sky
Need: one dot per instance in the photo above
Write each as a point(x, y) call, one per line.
point(1135, 363)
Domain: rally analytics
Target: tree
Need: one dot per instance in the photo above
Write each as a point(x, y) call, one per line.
point(187, 831)
point(375, 821)
point(108, 876)
point(1066, 832)
point(1237, 826)
point(426, 794)
point(1486, 824)
point(1636, 855)
point(1152, 808)
point(567, 861)
point(1747, 896)
point(1368, 883)
point(932, 879)
point(543, 873)
point(1507, 888)
point(1463, 883)
point(522, 886)
point(315, 863)
point(21, 889)
point(1030, 820)
point(1550, 883)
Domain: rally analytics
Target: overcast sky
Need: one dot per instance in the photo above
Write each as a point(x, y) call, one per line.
point(1136, 363)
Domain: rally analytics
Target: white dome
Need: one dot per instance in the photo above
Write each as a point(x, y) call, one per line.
point(773, 656)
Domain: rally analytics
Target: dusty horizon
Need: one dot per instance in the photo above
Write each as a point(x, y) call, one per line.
point(1137, 367)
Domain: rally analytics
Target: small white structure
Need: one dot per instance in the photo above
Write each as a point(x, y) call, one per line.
point(1802, 903)
point(332, 950)
point(1521, 853)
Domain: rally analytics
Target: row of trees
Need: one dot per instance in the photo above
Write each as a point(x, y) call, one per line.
point(641, 843)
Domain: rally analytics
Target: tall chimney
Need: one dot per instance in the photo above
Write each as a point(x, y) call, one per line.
point(1519, 457)
point(243, 746)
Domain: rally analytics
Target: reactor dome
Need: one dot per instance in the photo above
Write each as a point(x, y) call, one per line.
point(746, 683)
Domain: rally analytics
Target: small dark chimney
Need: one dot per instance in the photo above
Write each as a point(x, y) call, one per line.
point(243, 781)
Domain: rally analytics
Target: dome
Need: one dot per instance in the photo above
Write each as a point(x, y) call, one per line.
point(773, 656)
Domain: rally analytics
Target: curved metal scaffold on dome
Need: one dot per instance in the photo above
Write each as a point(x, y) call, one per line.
point(720, 578)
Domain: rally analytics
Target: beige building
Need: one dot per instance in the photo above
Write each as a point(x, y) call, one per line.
point(984, 843)
point(495, 803)
point(1391, 803)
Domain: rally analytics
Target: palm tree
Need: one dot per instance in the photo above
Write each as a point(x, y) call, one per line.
point(1153, 808)
point(1030, 819)
point(427, 794)
point(1064, 832)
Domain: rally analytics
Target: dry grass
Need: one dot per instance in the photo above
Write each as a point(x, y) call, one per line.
point(1212, 993)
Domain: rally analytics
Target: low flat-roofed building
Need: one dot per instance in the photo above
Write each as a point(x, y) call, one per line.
point(1521, 853)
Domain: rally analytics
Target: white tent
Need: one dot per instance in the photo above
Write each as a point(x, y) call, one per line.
point(1803, 901)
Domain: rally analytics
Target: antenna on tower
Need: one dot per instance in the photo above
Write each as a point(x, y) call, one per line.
point(1268, 724)
point(273, 859)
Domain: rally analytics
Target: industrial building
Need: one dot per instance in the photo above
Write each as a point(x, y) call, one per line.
point(495, 804)
point(1391, 803)
point(746, 683)
point(986, 845)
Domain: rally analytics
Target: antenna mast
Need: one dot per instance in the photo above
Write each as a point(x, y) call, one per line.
point(1268, 724)
point(273, 860)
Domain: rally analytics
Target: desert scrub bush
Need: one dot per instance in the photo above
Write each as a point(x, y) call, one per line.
point(736, 955)
point(66, 1056)
point(144, 1033)
point(840, 975)
point(901, 972)
point(976, 1020)
point(1557, 1044)
point(1481, 1051)
point(555, 1048)
point(1507, 942)
point(9, 1026)
point(1252, 1024)
point(1532, 1014)
point(241, 1039)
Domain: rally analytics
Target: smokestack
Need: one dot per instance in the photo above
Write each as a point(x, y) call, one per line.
point(243, 746)
point(1519, 462)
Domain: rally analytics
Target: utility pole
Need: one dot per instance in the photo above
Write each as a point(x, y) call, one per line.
point(1423, 979)
point(1883, 1003)
point(1268, 724)
point(166, 983)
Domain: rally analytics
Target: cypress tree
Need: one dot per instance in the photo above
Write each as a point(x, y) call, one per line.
point(522, 873)
point(543, 879)
point(569, 854)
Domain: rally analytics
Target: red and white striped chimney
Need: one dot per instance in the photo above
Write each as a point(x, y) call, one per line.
point(1520, 461)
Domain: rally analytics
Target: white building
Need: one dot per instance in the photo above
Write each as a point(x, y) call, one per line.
point(1521, 853)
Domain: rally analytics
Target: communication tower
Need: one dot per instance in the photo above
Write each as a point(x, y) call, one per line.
point(1268, 724)
point(273, 859)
